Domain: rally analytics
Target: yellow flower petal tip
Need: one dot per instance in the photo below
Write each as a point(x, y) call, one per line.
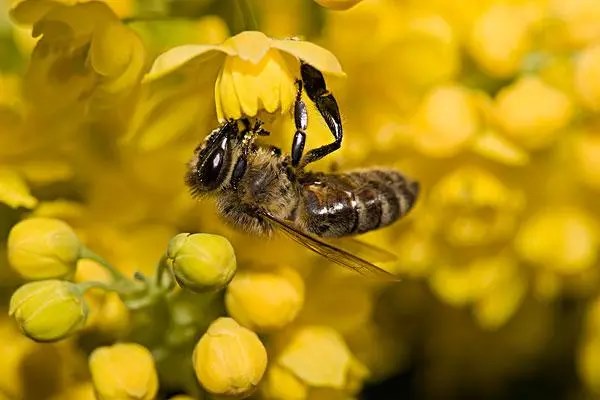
point(124, 371)
point(14, 191)
point(48, 310)
point(265, 301)
point(42, 248)
point(201, 262)
point(229, 360)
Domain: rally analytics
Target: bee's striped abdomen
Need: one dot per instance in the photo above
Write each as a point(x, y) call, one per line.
point(356, 202)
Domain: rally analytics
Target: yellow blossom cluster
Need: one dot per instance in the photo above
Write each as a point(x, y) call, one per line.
point(492, 105)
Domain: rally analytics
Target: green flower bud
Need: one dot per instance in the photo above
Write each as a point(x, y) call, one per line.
point(43, 248)
point(48, 310)
point(201, 262)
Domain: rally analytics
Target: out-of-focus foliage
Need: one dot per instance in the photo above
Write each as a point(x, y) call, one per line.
point(492, 105)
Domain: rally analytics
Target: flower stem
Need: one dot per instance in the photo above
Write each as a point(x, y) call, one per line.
point(114, 272)
point(85, 286)
point(160, 270)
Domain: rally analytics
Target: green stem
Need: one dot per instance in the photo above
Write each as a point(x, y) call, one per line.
point(160, 270)
point(247, 14)
point(85, 286)
point(154, 18)
point(114, 272)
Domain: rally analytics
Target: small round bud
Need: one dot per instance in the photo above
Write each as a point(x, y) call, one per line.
point(338, 5)
point(123, 371)
point(265, 301)
point(229, 359)
point(43, 248)
point(48, 310)
point(201, 262)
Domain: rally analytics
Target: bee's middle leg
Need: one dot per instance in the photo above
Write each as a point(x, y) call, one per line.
point(316, 89)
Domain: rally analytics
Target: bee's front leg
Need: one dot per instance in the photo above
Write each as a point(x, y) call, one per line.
point(247, 137)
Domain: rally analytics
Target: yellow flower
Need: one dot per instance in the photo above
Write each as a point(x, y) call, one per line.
point(42, 248)
point(265, 301)
point(532, 112)
point(124, 371)
point(229, 359)
point(319, 357)
point(500, 37)
point(84, 52)
point(587, 77)
point(473, 207)
point(257, 73)
point(580, 19)
point(561, 239)
point(445, 122)
point(338, 4)
point(48, 310)
point(201, 262)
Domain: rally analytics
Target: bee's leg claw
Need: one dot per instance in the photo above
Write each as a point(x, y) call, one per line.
point(316, 89)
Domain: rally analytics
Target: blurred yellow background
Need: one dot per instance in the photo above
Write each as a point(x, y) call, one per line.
point(491, 105)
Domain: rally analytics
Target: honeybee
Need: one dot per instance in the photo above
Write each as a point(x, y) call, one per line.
point(259, 190)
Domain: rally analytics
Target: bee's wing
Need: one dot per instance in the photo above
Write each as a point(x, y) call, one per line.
point(363, 249)
point(331, 252)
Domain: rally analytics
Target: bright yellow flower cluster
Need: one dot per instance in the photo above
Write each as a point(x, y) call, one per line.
point(491, 105)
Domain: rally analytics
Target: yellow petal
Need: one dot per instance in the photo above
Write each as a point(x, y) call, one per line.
point(249, 46)
point(230, 103)
point(274, 77)
point(218, 101)
point(130, 76)
point(178, 56)
point(318, 356)
point(110, 49)
point(14, 191)
point(318, 57)
point(29, 12)
point(245, 77)
point(495, 147)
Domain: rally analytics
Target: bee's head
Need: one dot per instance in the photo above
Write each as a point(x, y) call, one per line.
point(209, 168)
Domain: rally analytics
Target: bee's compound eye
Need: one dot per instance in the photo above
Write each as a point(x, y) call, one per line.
point(211, 172)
